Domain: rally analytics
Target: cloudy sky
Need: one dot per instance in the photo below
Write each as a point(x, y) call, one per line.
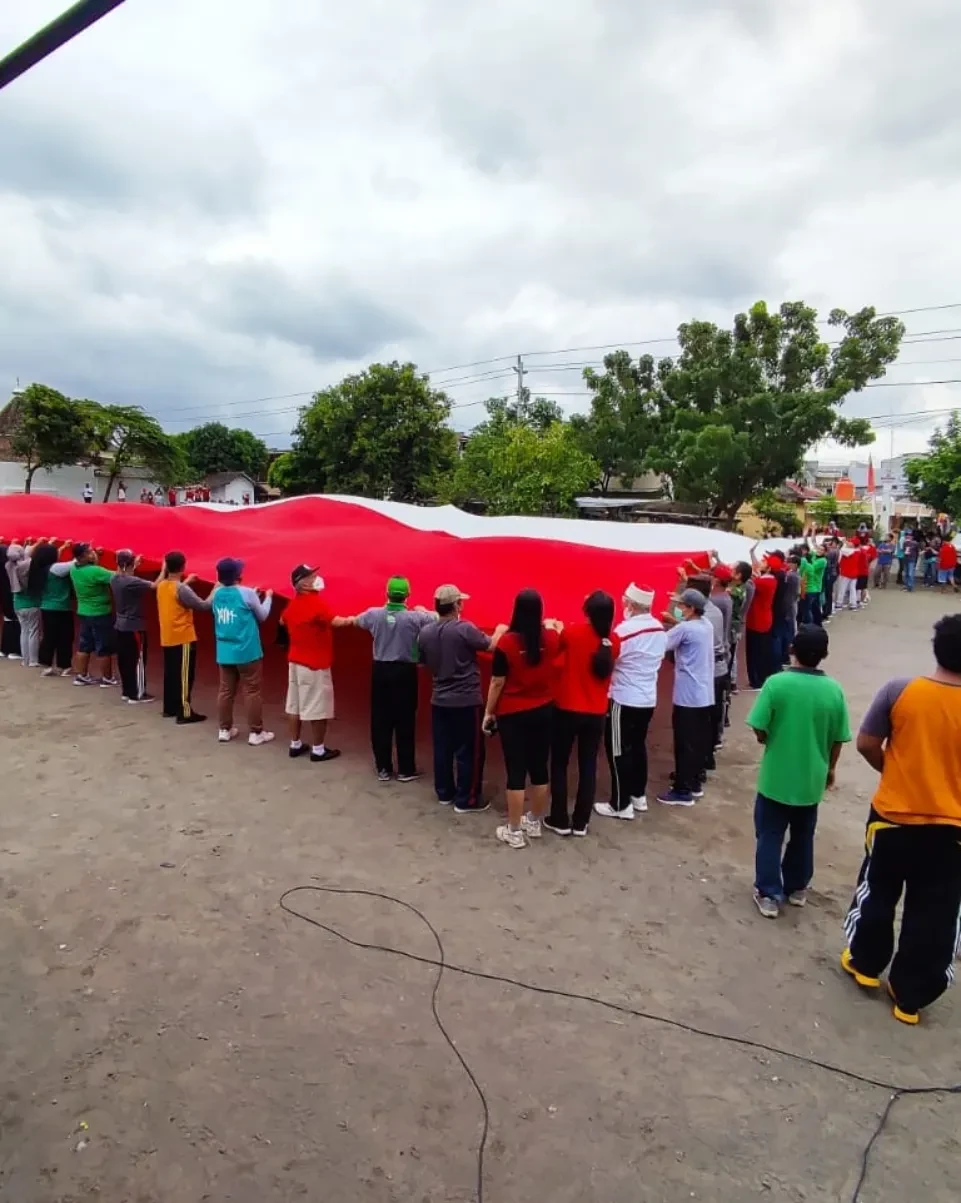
point(208, 209)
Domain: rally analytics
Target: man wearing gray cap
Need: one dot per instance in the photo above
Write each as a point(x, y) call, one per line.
point(449, 648)
point(690, 642)
point(130, 623)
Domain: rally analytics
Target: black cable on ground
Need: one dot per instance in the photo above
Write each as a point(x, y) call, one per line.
point(441, 964)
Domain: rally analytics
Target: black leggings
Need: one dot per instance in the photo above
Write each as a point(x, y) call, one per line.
point(56, 642)
point(526, 741)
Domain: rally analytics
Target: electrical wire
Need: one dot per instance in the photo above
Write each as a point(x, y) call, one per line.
point(443, 965)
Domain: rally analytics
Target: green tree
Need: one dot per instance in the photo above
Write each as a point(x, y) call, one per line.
point(623, 420)
point(737, 409)
point(514, 468)
point(936, 479)
point(281, 474)
point(381, 433)
point(779, 516)
point(50, 430)
point(124, 436)
point(215, 447)
point(824, 510)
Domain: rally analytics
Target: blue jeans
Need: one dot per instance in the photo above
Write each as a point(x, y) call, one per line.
point(782, 636)
point(909, 569)
point(779, 873)
point(458, 754)
point(810, 610)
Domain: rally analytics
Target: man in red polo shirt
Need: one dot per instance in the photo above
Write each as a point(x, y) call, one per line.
point(947, 562)
point(849, 569)
point(759, 622)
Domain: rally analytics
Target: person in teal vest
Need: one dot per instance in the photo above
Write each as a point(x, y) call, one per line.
point(238, 612)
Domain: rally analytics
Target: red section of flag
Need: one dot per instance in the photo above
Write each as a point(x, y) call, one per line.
point(871, 482)
point(355, 549)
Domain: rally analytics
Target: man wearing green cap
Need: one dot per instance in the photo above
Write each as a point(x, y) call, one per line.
point(393, 683)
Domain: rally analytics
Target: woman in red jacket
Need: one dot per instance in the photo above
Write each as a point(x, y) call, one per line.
point(589, 650)
point(520, 698)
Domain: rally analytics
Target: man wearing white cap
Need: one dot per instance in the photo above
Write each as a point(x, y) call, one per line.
point(633, 695)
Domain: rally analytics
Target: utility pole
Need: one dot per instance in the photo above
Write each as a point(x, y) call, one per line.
point(521, 373)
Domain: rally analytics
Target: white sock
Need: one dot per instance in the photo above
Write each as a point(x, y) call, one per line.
point(295, 744)
point(318, 749)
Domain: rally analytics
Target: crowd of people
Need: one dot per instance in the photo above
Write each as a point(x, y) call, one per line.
point(559, 691)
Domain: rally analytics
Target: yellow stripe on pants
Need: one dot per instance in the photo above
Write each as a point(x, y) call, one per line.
point(185, 680)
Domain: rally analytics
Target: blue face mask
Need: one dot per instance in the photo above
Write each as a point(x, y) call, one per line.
point(678, 613)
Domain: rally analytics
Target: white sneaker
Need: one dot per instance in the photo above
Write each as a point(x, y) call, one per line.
point(608, 811)
point(531, 827)
point(226, 734)
point(513, 839)
point(256, 738)
point(49, 672)
point(640, 804)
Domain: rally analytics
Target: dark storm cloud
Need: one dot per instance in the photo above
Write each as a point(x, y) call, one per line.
point(54, 154)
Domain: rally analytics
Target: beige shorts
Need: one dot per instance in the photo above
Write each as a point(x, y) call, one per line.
point(310, 693)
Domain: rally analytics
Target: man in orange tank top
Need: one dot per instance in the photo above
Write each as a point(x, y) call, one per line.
point(176, 602)
point(912, 736)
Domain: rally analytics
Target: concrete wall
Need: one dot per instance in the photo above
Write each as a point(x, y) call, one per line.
point(233, 491)
point(69, 481)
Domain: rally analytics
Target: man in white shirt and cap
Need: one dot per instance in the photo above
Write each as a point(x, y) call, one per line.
point(633, 696)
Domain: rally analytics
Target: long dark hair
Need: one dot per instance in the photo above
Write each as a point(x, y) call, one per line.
point(41, 560)
point(527, 621)
point(599, 611)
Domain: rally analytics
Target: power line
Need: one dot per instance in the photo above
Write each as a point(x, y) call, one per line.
point(61, 30)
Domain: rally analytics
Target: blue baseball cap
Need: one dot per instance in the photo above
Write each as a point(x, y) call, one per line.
point(229, 571)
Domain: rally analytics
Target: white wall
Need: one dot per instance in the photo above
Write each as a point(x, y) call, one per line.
point(233, 491)
point(68, 482)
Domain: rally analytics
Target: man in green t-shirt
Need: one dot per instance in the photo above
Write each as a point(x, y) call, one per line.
point(91, 583)
point(801, 718)
point(812, 568)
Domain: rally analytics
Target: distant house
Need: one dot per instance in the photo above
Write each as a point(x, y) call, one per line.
point(231, 488)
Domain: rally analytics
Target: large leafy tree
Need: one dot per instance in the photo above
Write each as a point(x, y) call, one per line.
point(623, 417)
point(936, 479)
point(49, 430)
point(514, 465)
point(215, 447)
point(123, 436)
point(737, 409)
point(381, 433)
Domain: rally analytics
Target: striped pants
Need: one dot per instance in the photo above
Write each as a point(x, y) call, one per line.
point(180, 665)
point(922, 862)
point(132, 663)
point(625, 741)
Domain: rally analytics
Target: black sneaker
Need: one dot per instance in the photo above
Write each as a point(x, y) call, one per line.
point(191, 718)
point(384, 777)
point(476, 808)
point(407, 778)
point(327, 754)
point(557, 828)
point(303, 750)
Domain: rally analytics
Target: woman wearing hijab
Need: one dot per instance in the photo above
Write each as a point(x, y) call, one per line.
point(588, 651)
point(520, 706)
point(26, 604)
point(10, 634)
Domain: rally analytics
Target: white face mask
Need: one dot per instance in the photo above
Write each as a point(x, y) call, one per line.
point(318, 584)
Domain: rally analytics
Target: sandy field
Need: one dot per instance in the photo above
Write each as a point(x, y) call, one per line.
point(170, 1035)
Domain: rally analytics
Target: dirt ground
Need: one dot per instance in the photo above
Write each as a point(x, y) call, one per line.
point(169, 1034)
